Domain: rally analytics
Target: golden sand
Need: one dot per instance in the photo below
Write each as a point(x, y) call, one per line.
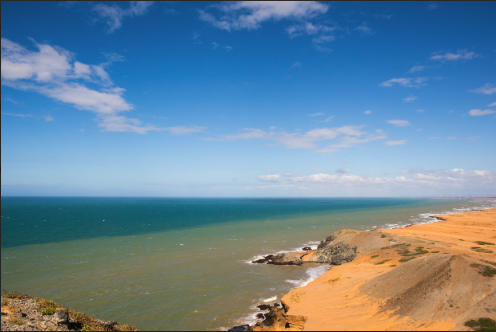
point(437, 290)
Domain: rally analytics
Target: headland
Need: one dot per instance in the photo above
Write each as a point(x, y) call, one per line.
point(438, 276)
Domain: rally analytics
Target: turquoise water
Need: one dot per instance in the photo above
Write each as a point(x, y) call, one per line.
point(177, 264)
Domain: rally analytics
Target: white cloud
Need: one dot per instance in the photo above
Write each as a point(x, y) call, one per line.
point(269, 178)
point(214, 45)
point(368, 112)
point(421, 111)
point(48, 118)
point(406, 82)
point(250, 14)
point(296, 64)
point(316, 114)
point(459, 55)
point(342, 171)
point(19, 115)
point(487, 89)
point(399, 123)
point(228, 48)
point(477, 112)
point(432, 5)
point(451, 137)
point(435, 137)
point(390, 143)
point(350, 141)
point(53, 72)
point(425, 179)
point(329, 118)
point(114, 14)
point(415, 69)
point(348, 136)
point(364, 29)
point(409, 99)
point(492, 105)
point(309, 28)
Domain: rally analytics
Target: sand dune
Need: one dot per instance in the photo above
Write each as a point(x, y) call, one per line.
point(423, 277)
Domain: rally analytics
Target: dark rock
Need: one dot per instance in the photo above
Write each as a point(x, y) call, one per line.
point(326, 241)
point(260, 261)
point(266, 259)
point(289, 258)
point(306, 248)
point(263, 307)
point(244, 327)
point(260, 316)
point(336, 254)
point(61, 315)
point(276, 305)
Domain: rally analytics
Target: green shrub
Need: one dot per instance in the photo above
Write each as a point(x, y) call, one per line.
point(482, 324)
point(482, 243)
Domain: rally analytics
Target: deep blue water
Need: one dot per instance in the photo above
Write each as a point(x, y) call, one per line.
point(36, 220)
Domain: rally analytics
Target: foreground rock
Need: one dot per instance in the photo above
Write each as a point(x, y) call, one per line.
point(276, 319)
point(25, 313)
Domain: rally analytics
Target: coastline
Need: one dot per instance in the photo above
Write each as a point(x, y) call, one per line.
point(391, 287)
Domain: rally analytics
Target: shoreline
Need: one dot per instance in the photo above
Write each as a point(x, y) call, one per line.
point(306, 303)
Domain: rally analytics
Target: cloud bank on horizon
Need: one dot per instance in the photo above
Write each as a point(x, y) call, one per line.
point(245, 87)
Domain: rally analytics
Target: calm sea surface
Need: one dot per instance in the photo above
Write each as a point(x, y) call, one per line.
point(178, 264)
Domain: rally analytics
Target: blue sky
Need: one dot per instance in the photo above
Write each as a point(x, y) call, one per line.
point(243, 99)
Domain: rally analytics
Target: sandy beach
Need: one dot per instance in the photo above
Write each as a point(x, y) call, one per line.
point(423, 277)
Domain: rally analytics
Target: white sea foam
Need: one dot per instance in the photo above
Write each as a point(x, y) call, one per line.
point(270, 299)
point(312, 273)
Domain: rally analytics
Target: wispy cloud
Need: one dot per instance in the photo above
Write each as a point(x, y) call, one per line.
point(459, 55)
point(10, 100)
point(342, 171)
point(269, 178)
point(19, 115)
point(296, 64)
point(113, 15)
point(250, 15)
point(478, 112)
point(421, 111)
point(347, 136)
point(364, 29)
point(415, 69)
point(368, 112)
point(316, 114)
point(487, 89)
point(322, 34)
point(409, 99)
point(54, 72)
point(492, 105)
point(432, 5)
point(401, 142)
point(47, 117)
point(399, 123)
point(454, 178)
point(406, 82)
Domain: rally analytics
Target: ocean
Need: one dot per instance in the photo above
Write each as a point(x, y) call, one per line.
point(183, 263)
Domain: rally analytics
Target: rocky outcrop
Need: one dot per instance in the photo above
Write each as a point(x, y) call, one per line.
point(334, 254)
point(289, 258)
point(25, 313)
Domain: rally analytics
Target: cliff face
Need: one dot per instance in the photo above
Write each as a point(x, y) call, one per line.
point(25, 313)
